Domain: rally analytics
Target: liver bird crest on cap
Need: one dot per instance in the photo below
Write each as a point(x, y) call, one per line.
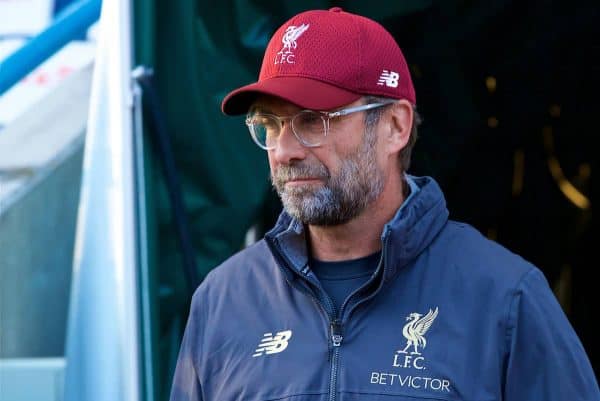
point(291, 34)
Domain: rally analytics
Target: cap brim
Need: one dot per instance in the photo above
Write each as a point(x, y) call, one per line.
point(303, 92)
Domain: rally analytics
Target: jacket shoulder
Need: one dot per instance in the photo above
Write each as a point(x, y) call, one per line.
point(242, 265)
point(480, 257)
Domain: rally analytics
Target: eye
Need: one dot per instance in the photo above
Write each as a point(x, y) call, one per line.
point(265, 126)
point(309, 117)
point(309, 120)
point(271, 125)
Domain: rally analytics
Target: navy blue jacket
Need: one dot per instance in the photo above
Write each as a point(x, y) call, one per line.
point(448, 315)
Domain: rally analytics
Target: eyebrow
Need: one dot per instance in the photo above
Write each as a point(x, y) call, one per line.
point(259, 109)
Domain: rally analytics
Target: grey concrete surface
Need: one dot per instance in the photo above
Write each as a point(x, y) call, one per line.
point(40, 175)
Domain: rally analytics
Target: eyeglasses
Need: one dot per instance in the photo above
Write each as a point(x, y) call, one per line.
point(309, 127)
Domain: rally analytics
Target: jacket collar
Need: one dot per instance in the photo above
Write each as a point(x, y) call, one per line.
point(416, 223)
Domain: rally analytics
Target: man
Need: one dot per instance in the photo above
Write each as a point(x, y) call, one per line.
point(364, 289)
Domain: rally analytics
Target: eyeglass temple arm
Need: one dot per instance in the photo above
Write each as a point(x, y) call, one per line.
point(359, 108)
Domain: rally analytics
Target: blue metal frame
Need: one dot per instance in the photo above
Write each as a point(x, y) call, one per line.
point(70, 24)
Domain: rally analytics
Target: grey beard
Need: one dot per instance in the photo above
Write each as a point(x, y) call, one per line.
point(340, 199)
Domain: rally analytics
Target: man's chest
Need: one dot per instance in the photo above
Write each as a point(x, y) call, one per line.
point(404, 353)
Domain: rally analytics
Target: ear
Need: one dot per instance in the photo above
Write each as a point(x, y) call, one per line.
point(400, 120)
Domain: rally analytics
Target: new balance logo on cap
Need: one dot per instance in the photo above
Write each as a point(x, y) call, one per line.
point(389, 78)
point(273, 344)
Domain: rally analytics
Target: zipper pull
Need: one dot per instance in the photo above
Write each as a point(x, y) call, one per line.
point(336, 333)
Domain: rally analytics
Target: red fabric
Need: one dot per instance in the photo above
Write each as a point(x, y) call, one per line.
point(328, 59)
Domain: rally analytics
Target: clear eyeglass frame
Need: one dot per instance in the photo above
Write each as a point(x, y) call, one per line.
point(310, 127)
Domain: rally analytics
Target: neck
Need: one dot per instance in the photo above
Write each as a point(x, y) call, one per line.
point(360, 236)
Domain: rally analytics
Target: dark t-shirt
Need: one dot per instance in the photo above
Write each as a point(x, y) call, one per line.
point(340, 279)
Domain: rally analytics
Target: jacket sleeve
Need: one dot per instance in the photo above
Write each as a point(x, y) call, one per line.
point(186, 384)
point(546, 360)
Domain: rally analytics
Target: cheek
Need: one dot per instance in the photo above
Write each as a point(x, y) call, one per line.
point(342, 147)
point(383, 157)
point(327, 156)
point(346, 141)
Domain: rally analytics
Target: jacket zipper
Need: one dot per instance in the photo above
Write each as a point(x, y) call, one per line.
point(337, 337)
point(384, 260)
point(335, 322)
point(336, 342)
point(334, 325)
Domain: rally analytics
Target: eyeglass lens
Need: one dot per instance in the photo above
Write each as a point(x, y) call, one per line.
point(308, 126)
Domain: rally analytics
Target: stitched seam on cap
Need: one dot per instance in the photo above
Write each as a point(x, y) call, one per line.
point(363, 85)
point(360, 56)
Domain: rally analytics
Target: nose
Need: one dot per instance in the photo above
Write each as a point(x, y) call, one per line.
point(288, 148)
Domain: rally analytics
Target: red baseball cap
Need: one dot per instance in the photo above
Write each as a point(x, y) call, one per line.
point(325, 59)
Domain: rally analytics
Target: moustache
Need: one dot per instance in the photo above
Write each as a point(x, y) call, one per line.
point(286, 173)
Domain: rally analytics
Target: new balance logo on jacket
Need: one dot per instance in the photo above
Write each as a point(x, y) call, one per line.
point(273, 344)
